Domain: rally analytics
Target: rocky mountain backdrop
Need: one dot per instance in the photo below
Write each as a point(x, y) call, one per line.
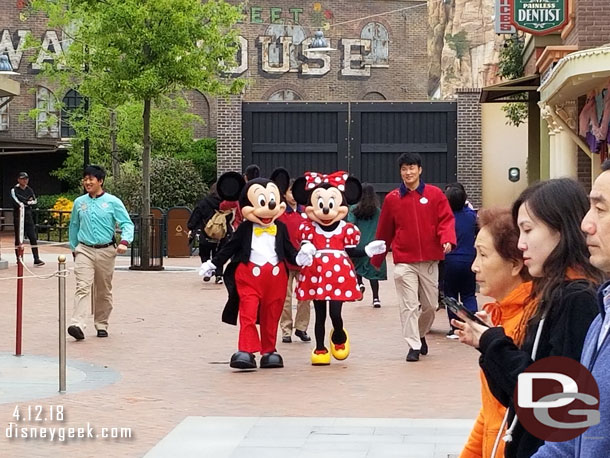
point(462, 45)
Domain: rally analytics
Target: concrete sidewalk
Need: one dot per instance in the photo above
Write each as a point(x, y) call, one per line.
point(169, 355)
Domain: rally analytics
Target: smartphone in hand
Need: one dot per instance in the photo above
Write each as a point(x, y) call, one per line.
point(458, 309)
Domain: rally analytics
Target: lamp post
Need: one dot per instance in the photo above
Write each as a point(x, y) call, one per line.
point(86, 159)
point(11, 88)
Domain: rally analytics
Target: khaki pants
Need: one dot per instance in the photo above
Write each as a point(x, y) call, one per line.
point(417, 291)
point(93, 267)
point(303, 309)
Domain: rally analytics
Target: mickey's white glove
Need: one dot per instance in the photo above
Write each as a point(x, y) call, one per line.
point(207, 269)
point(375, 247)
point(305, 255)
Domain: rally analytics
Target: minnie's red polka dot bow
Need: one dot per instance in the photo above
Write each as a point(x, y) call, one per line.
point(336, 179)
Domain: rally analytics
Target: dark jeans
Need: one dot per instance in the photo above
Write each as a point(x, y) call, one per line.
point(29, 232)
point(459, 283)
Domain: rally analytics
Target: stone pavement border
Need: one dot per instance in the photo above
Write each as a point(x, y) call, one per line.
point(310, 437)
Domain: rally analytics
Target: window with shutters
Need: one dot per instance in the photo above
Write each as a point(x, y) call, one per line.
point(47, 120)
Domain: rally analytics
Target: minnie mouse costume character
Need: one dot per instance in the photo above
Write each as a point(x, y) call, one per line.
point(331, 278)
point(257, 277)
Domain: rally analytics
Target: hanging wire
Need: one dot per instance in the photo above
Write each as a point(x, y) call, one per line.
point(327, 26)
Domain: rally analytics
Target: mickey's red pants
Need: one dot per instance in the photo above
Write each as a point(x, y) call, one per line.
point(264, 285)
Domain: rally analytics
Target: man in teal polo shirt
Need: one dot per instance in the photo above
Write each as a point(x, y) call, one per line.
point(92, 240)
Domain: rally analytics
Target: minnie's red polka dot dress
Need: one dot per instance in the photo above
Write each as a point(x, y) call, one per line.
point(332, 275)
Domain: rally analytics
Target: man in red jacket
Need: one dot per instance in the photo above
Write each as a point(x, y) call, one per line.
point(417, 222)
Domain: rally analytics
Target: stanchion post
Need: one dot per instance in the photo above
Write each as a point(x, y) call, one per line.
point(61, 267)
point(19, 320)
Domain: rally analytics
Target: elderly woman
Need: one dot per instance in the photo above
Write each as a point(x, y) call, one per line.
point(548, 215)
point(501, 275)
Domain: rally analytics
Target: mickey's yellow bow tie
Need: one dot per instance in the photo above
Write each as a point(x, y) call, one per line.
point(258, 231)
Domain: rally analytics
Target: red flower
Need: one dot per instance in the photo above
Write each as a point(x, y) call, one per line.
point(328, 14)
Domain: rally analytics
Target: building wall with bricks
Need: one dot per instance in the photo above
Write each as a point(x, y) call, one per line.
point(469, 147)
point(391, 63)
point(591, 19)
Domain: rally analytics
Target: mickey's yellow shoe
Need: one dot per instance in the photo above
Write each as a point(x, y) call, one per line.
point(320, 357)
point(339, 351)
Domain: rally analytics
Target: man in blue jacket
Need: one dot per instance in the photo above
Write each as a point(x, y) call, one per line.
point(595, 442)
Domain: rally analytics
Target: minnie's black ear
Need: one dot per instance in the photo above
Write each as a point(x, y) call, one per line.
point(229, 185)
point(353, 190)
point(281, 178)
point(298, 191)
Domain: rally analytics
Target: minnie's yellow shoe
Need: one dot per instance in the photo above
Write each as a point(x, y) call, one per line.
point(339, 351)
point(320, 357)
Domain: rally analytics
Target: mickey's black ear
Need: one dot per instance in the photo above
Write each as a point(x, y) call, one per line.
point(229, 185)
point(281, 178)
point(298, 191)
point(353, 190)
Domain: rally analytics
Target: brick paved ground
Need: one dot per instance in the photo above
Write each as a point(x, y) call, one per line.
point(171, 351)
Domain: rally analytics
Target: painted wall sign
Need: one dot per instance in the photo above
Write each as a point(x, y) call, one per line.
point(539, 17)
point(503, 17)
point(281, 55)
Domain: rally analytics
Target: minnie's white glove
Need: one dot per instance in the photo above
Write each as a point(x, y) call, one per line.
point(207, 269)
point(375, 247)
point(305, 255)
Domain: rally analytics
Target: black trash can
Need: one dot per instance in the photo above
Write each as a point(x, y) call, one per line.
point(155, 261)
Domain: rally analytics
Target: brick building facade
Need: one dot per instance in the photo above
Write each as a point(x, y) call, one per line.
point(377, 57)
point(380, 54)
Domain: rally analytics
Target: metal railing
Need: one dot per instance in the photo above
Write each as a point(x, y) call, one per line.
point(51, 225)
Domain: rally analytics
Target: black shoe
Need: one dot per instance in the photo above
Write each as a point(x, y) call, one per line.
point(219, 280)
point(76, 332)
point(413, 355)
point(376, 303)
point(424, 346)
point(286, 339)
point(243, 360)
point(272, 361)
point(302, 335)
point(39, 263)
point(102, 333)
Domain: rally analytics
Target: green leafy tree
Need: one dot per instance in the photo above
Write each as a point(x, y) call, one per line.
point(174, 182)
point(458, 43)
point(202, 154)
point(139, 50)
point(171, 132)
point(510, 66)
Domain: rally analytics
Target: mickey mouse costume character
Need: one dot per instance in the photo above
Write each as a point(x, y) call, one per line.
point(331, 278)
point(257, 277)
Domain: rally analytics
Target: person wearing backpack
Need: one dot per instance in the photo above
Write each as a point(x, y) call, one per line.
point(213, 233)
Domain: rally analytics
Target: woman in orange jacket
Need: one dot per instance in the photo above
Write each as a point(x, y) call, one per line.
point(500, 273)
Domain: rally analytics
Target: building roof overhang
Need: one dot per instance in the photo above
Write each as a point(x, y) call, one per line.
point(576, 74)
point(10, 146)
point(502, 92)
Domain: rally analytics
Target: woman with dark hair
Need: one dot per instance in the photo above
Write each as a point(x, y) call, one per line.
point(458, 281)
point(365, 215)
point(501, 274)
point(548, 215)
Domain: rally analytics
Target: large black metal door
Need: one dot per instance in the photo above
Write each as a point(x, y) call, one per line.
point(299, 136)
point(380, 131)
point(364, 138)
